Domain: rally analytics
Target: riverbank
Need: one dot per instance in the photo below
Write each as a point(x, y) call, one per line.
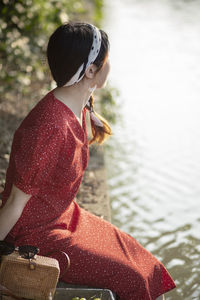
point(93, 193)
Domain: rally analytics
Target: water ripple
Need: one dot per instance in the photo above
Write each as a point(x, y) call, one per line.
point(153, 157)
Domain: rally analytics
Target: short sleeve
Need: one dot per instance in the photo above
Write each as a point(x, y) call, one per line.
point(35, 156)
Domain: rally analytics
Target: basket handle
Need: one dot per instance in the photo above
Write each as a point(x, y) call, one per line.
point(67, 258)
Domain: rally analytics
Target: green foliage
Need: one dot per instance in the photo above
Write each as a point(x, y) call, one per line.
point(108, 105)
point(25, 26)
point(98, 13)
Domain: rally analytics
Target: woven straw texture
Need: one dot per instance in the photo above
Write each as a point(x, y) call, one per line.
point(39, 283)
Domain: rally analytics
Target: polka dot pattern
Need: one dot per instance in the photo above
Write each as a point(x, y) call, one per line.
point(48, 158)
point(94, 51)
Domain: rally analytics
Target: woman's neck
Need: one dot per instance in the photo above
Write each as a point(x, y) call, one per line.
point(75, 97)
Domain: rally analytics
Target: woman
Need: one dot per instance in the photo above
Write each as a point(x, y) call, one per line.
point(48, 157)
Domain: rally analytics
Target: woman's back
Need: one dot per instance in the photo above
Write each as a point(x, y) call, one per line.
point(49, 155)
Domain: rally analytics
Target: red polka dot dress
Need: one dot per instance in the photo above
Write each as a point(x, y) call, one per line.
point(48, 157)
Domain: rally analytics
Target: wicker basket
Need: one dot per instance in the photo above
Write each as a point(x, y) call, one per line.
point(33, 279)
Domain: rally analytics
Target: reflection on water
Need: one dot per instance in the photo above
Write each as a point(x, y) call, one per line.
point(154, 161)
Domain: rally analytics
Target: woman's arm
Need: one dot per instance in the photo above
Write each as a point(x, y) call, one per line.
point(12, 210)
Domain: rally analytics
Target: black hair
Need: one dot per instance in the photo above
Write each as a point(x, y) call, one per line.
point(68, 49)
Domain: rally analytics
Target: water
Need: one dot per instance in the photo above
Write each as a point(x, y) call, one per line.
point(153, 162)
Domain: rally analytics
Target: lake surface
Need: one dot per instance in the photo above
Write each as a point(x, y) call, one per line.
point(153, 157)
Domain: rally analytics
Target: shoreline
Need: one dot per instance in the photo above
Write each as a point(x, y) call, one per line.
point(93, 192)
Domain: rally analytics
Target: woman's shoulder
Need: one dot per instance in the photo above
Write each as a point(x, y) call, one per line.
point(50, 116)
point(46, 113)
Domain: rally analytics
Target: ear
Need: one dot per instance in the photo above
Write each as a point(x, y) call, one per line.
point(91, 71)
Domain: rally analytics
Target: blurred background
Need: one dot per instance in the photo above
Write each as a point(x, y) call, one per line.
point(153, 157)
point(151, 101)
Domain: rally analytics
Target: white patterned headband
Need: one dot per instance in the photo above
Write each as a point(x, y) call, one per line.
point(94, 51)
